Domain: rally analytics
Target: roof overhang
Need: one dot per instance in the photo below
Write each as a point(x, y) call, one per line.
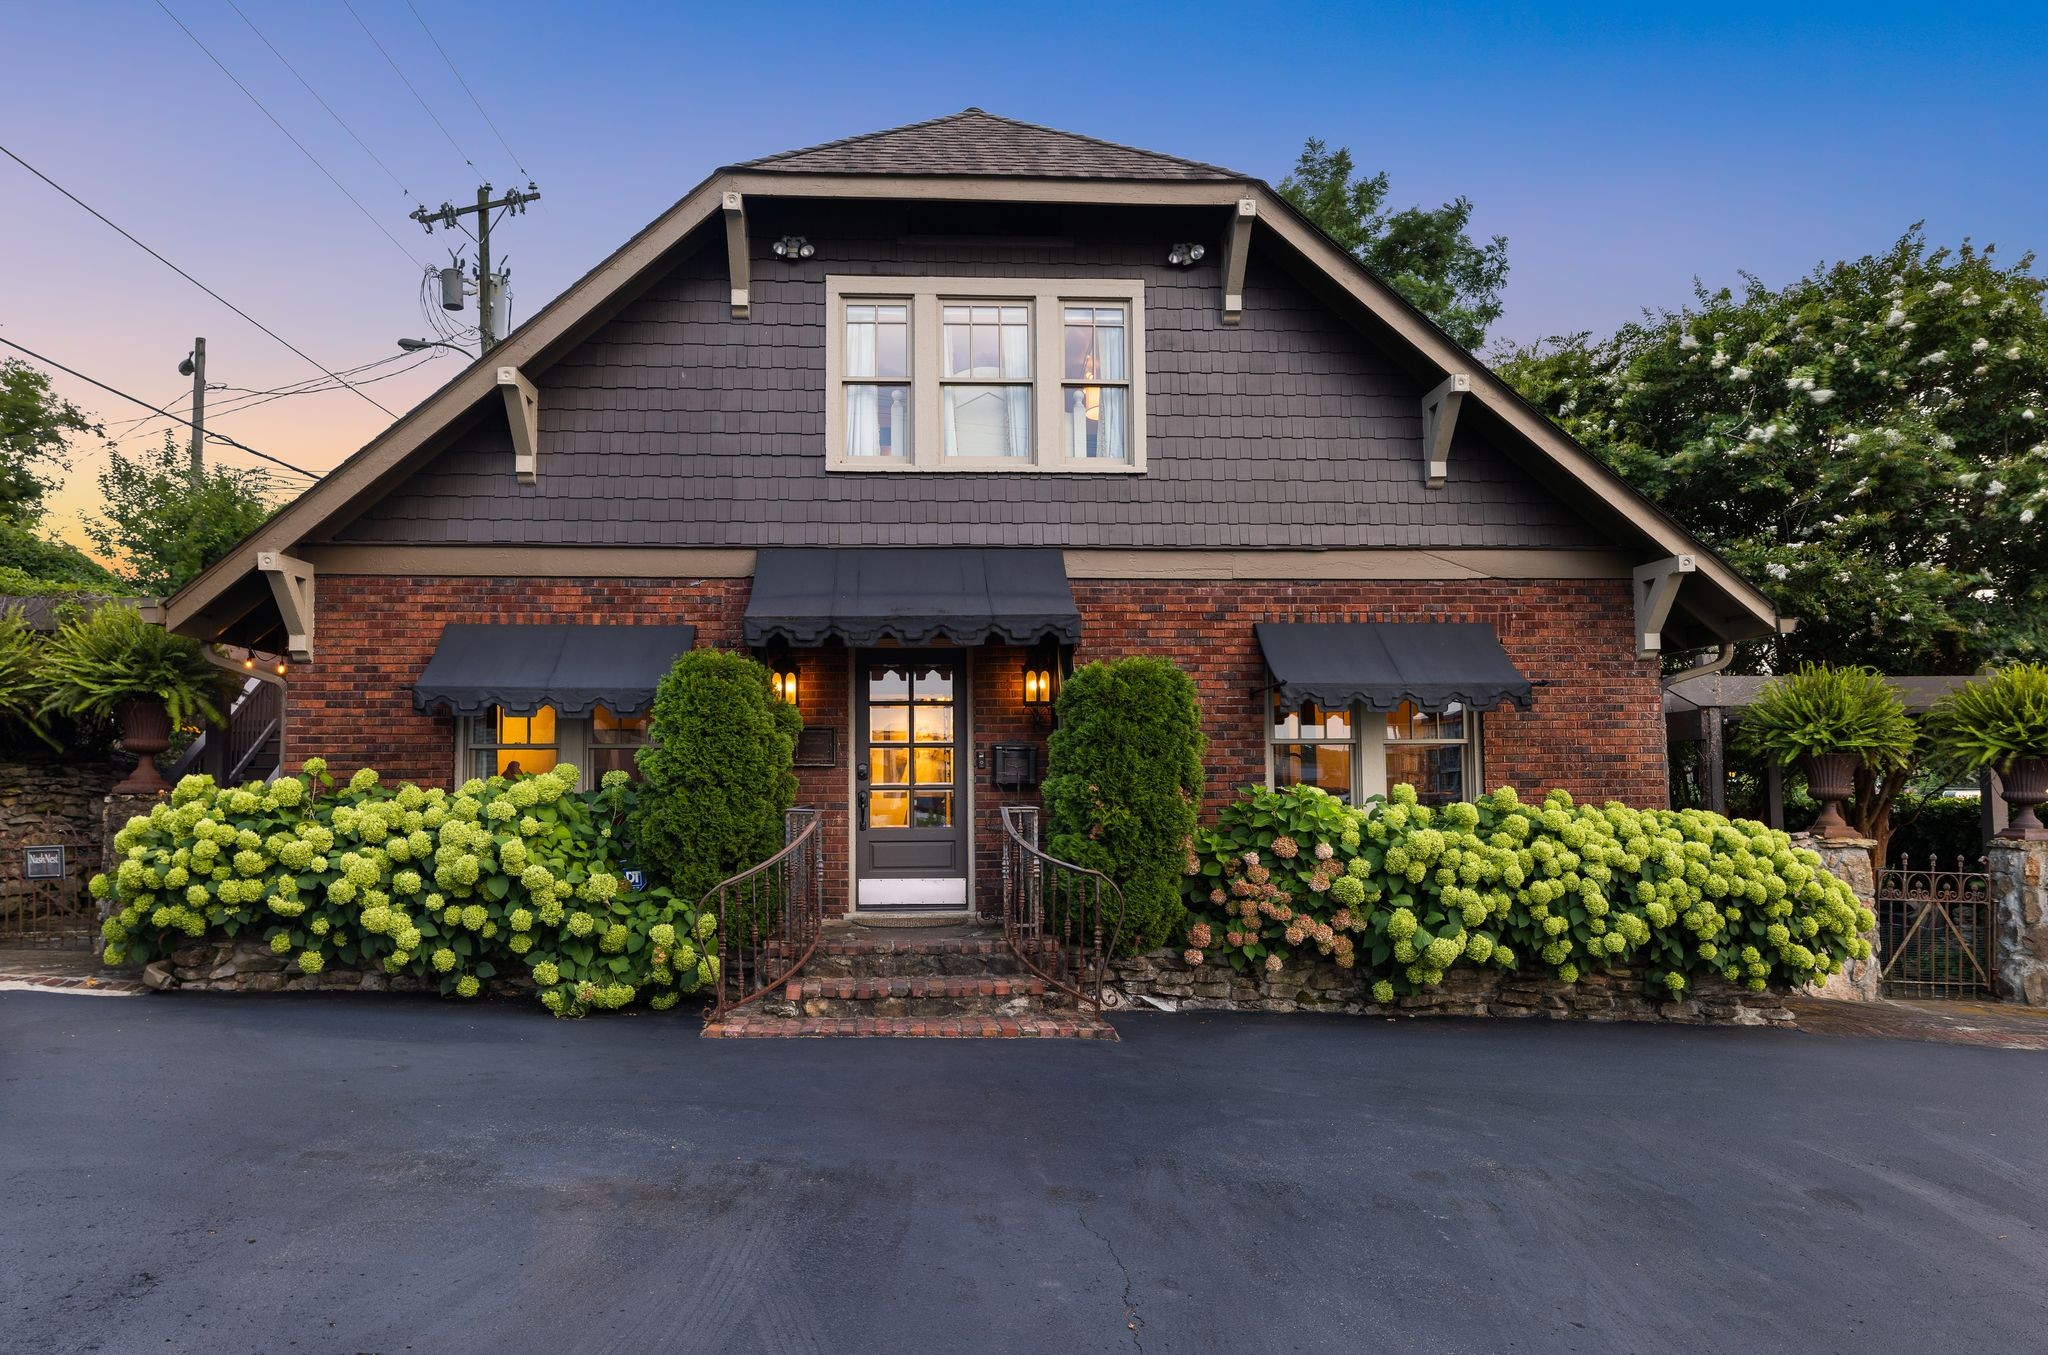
point(1717, 605)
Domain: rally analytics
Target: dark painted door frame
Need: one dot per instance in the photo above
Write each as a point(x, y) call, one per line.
point(930, 862)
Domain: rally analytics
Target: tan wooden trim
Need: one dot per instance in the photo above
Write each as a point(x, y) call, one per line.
point(993, 188)
point(1311, 565)
point(522, 413)
point(1237, 245)
point(540, 562)
point(737, 261)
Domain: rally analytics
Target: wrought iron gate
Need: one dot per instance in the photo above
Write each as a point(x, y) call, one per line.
point(1936, 930)
point(43, 898)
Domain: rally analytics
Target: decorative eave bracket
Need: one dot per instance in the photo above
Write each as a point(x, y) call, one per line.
point(291, 584)
point(736, 253)
point(1656, 591)
point(1440, 424)
point(522, 411)
point(1236, 245)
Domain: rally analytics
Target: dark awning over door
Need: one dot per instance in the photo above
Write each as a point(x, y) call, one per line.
point(571, 668)
point(1381, 664)
point(805, 597)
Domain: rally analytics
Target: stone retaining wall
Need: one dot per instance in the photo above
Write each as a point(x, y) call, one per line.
point(1162, 979)
point(251, 967)
point(2018, 883)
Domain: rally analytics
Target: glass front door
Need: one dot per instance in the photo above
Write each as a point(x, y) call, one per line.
point(910, 810)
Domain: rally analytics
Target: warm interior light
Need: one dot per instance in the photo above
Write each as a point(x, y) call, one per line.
point(784, 684)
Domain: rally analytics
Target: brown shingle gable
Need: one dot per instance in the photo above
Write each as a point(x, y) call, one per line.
point(972, 142)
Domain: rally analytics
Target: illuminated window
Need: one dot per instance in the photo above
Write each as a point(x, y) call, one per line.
point(513, 745)
point(614, 742)
point(1354, 753)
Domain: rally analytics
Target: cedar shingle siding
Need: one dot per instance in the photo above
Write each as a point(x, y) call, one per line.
point(678, 425)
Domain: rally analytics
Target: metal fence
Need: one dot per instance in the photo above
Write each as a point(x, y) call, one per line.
point(43, 899)
point(1936, 929)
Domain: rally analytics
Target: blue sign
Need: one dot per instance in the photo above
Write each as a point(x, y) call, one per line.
point(636, 878)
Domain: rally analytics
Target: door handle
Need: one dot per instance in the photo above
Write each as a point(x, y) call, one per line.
point(863, 811)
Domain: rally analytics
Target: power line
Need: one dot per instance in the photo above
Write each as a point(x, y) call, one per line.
point(113, 390)
point(107, 221)
point(322, 102)
point(465, 86)
point(315, 160)
point(408, 84)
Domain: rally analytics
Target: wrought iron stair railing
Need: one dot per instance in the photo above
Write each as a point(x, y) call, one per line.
point(1062, 921)
point(769, 916)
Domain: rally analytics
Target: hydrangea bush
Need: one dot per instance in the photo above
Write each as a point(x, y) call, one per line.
point(1409, 892)
point(457, 889)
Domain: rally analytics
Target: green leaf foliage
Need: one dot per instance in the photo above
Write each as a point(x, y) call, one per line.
point(1822, 708)
point(36, 425)
point(1995, 721)
point(1868, 443)
point(97, 661)
point(1428, 255)
point(1410, 893)
point(718, 777)
point(519, 876)
point(24, 680)
point(1123, 783)
point(162, 525)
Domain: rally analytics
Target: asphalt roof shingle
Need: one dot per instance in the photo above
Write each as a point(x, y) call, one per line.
point(972, 142)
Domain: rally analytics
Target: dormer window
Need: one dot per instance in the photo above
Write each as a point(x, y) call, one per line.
point(985, 374)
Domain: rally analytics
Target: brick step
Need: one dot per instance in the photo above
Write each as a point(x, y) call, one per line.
point(1058, 1026)
point(919, 986)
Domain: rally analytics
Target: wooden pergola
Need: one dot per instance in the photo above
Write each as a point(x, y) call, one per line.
point(1703, 711)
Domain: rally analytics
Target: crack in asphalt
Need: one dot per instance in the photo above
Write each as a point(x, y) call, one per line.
point(1132, 1321)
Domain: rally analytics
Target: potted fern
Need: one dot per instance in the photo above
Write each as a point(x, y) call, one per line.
point(113, 663)
point(2001, 722)
point(1831, 721)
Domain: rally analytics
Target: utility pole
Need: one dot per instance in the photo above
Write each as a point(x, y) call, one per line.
point(450, 215)
point(196, 365)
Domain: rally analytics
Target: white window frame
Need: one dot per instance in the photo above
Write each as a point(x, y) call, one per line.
point(926, 296)
point(1369, 744)
point(573, 745)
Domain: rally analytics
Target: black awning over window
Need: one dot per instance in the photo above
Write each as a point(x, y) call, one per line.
point(571, 668)
point(805, 597)
point(1382, 663)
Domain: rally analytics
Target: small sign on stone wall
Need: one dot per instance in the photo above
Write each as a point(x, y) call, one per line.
point(636, 878)
point(43, 863)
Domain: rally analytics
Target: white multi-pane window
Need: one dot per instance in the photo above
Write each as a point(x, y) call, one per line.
point(1095, 393)
point(1354, 753)
point(500, 744)
point(985, 374)
point(876, 382)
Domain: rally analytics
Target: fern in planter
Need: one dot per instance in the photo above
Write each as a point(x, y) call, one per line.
point(98, 661)
point(1998, 721)
point(24, 685)
point(1820, 709)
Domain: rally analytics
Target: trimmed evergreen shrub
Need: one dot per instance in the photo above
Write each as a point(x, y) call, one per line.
point(1123, 783)
point(1408, 892)
point(501, 876)
point(718, 777)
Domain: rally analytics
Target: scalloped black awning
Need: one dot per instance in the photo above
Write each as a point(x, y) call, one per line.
point(805, 597)
point(569, 667)
point(1383, 663)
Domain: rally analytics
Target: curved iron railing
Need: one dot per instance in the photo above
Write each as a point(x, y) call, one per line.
point(769, 916)
point(1053, 912)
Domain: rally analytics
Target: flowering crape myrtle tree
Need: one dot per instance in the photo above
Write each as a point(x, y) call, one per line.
point(1869, 443)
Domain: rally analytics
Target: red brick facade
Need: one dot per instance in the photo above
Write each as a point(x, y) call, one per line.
point(1596, 727)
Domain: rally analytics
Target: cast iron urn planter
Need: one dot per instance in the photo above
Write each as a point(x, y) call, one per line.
point(145, 732)
point(1831, 777)
point(2024, 783)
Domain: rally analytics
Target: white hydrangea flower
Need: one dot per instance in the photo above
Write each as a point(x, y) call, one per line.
point(1820, 395)
point(1942, 288)
point(1970, 298)
point(2013, 351)
point(1895, 319)
point(1688, 342)
point(1996, 487)
point(1778, 571)
point(2026, 515)
point(1938, 355)
point(1979, 345)
point(2028, 414)
point(1851, 439)
point(1718, 361)
point(1740, 373)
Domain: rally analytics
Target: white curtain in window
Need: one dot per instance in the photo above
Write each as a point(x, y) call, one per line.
point(1018, 399)
point(1110, 446)
point(863, 414)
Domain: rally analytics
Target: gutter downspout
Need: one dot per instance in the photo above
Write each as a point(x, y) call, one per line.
point(1713, 665)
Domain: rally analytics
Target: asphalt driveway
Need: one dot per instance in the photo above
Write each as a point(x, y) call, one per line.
point(224, 1175)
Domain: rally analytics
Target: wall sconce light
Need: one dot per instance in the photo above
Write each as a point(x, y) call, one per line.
point(783, 680)
point(793, 247)
point(1185, 256)
point(1041, 680)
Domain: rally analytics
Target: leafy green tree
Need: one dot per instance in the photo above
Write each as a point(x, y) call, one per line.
point(1866, 443)
point(718, 776)
point(35, 427)
point(162, 525)
point(1428, 255)
point(1123, 782)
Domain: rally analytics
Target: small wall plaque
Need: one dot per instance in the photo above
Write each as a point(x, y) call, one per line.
point(1016, 766)
point(42, 863)
point(818, 747)
point(636, 878)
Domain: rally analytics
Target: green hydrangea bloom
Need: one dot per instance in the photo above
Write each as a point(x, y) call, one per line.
point(443, 959)
point(311, 961)
point(467, 986)
point(280, 943)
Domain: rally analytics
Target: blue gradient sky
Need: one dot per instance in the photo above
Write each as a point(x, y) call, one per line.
point(1622, 149)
